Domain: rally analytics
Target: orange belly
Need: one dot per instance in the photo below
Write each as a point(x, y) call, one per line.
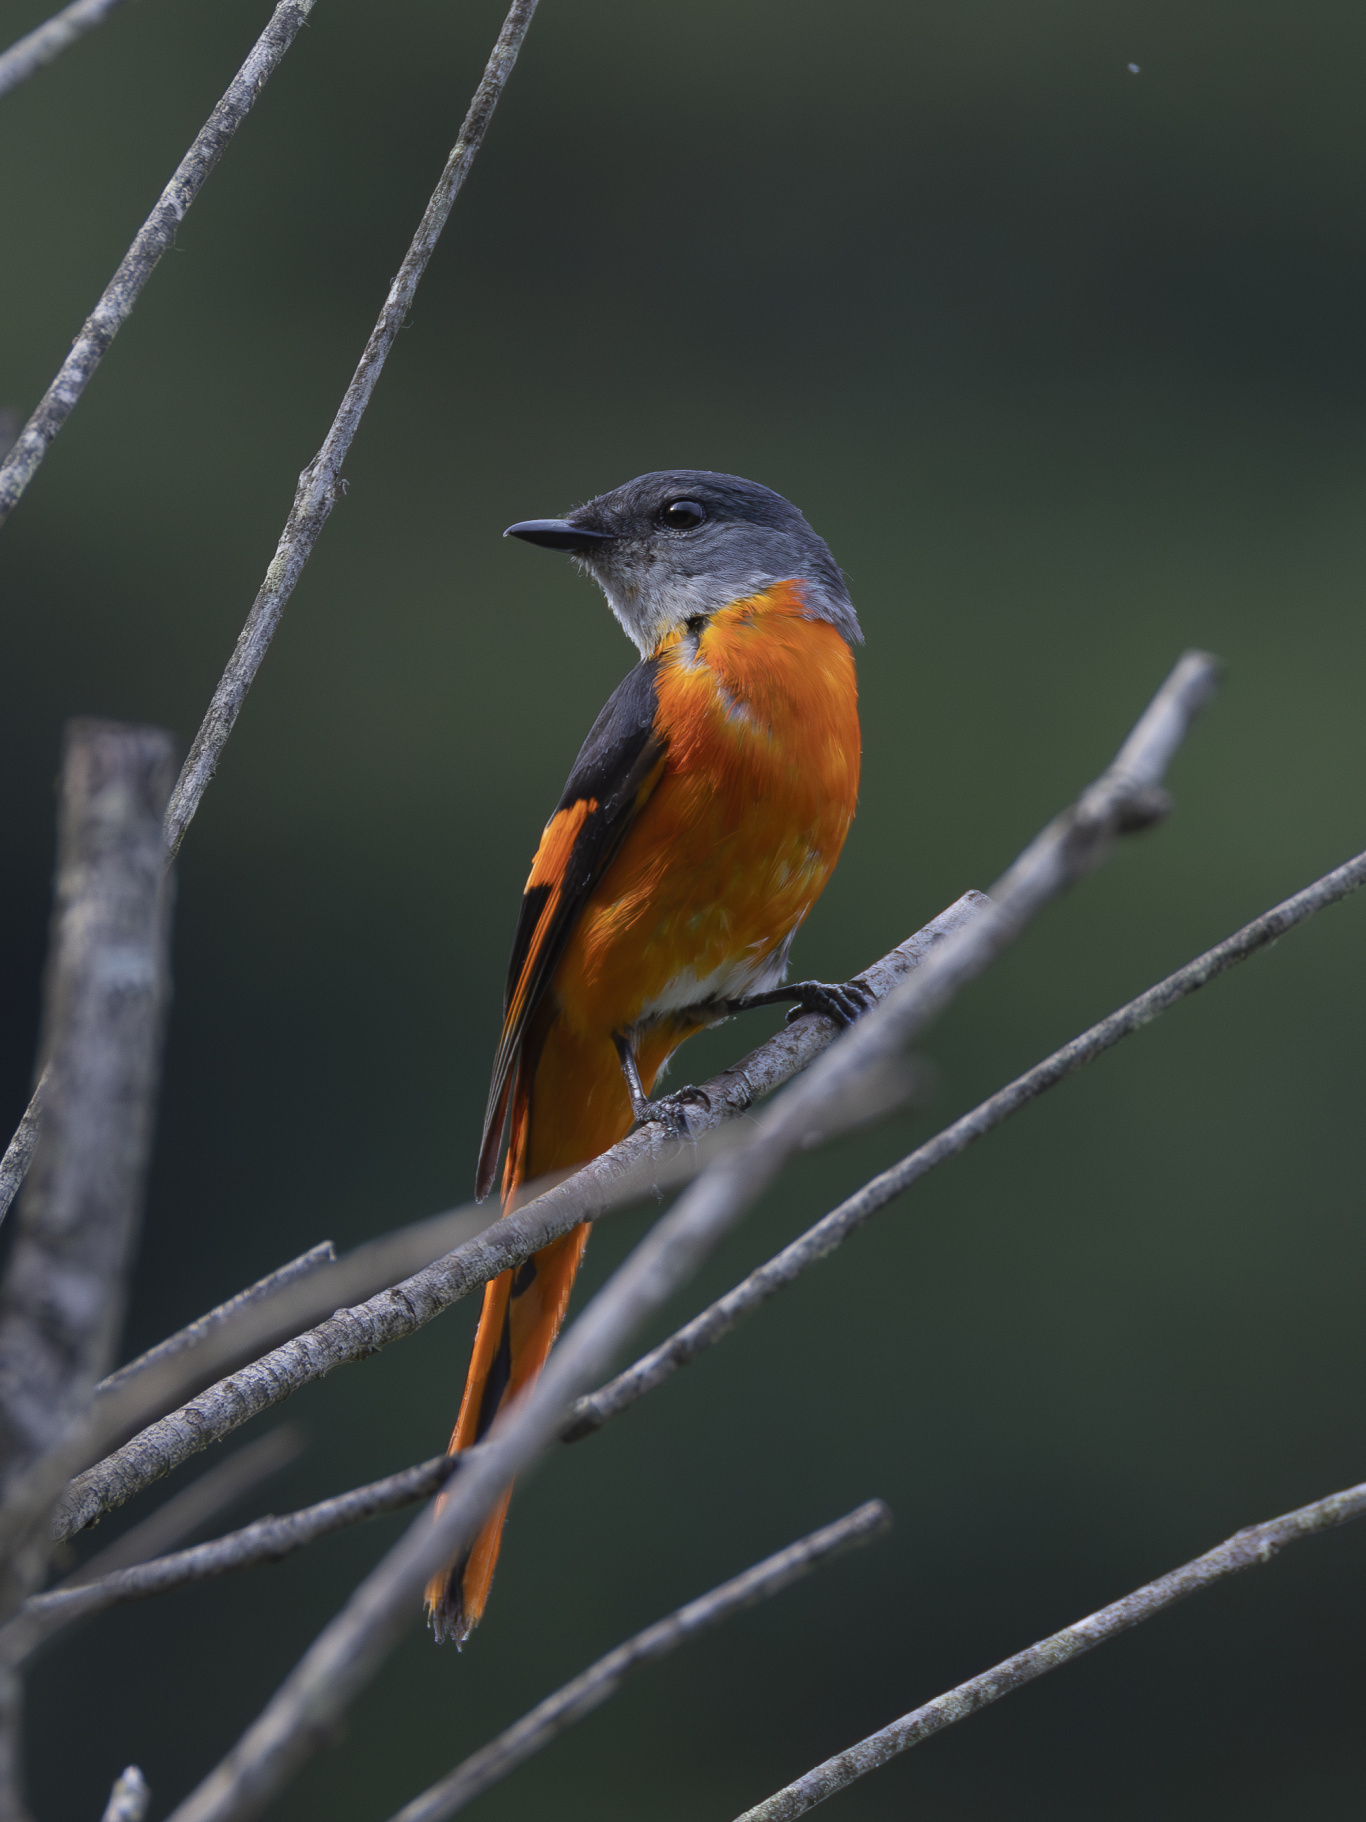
point(722, 864)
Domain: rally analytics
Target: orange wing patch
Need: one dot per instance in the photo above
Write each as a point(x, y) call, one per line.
point(557, 844)
point(547, 871)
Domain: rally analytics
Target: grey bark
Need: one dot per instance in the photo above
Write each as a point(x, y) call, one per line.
point(309, 1704)
point(104, 1002)
point(19, 1152)
point(718, 1319)
point(1244, 1550)
point(151, 241)
point(595, 1685)
point(165, 1529)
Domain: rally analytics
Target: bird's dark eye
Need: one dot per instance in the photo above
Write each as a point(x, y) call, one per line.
point(682, 515)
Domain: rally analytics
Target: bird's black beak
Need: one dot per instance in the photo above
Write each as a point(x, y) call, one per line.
point(558, 534)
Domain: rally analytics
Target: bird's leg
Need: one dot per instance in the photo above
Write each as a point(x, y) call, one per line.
point(670, 1110)
point(640, 1101)
point(840, 1001)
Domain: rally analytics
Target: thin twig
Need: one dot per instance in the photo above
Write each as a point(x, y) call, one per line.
point(19, 1152)
point(50, 39)
point(193, 1336)
point(610, 1182)
point(718, 1319)
point(311, 1701)
point(319, 484)
point(152, 239)
point(592, 1687)
point(1244, 1550)
point(267, 1540)
point(195, 1506)
point(129, 1798)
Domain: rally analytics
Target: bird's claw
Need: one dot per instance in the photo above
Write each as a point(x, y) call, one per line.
point(671, 1111)
point(842, 1002)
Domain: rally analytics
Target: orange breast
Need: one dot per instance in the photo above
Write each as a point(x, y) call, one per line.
point(742, 831)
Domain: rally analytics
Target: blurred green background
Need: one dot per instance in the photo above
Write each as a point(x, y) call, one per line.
point(1068, 365)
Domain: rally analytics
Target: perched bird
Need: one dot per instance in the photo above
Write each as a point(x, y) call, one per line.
point(700, 823)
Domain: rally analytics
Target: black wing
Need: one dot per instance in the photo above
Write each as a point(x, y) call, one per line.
point(619, 765)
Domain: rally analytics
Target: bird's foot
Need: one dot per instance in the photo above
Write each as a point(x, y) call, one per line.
point(842, 1002)
point(671, 1111)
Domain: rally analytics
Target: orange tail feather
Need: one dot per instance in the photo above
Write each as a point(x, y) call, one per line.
point(573, 1107)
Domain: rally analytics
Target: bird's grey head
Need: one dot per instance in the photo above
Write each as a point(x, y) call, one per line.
point(668, 547)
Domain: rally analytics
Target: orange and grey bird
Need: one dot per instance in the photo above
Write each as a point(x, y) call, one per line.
point(699, 825)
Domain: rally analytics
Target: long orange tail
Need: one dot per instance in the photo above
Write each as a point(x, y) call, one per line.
point(569, 1104)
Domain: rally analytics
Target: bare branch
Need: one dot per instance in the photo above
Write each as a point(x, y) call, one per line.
point(595, 1685)
point(194, 1506)
point(309, 1703)
point(1244, 1550)
point(721, 1316)
point(104, 1002)
point(319, 484)
point(151, 241)
point(104, 999)
point(129, 1798)
point(19, 1152)
point(195, 1334)
point(718, 1319)
point(621, 1175)
point(267, 1540)
point(49, 40)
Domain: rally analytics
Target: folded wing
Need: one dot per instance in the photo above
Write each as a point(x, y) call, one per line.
point(619, 766)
